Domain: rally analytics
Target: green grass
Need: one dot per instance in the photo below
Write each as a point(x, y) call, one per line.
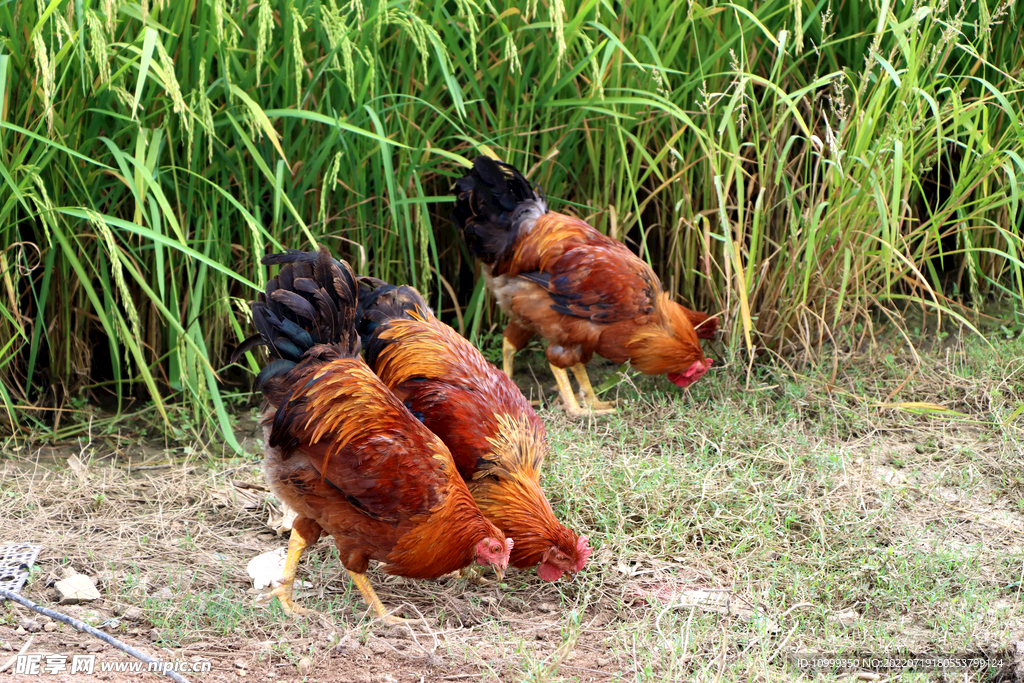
point(803, 501)
point(797, 167)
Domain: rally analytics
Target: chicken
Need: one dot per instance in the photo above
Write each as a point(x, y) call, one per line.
point(496, 439)
point(344, 453)
point(584, 292)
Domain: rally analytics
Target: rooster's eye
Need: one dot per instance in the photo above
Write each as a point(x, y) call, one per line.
point(495, 549)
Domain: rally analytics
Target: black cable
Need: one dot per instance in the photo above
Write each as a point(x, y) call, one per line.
point(85, 628)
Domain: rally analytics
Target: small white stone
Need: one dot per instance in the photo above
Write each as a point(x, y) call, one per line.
point(77, 588)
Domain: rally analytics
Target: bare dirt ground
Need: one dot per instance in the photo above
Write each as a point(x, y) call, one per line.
point(734, 527)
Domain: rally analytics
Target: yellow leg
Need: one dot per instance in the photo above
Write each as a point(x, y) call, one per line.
point(363, 584)
point(508, 353)
point(296, 544)
point(572, 406)
point(580, 371)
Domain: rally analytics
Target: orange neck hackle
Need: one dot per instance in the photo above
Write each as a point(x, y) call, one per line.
point(668, 346)
point(447, 539)
point(519, 507)
point(423, 341)
point(509, 493)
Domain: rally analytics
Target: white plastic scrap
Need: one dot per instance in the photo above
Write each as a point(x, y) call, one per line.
point(267, 569)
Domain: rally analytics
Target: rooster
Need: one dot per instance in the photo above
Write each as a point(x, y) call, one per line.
point(584, 292)
point(346, 454)
point(496, 439)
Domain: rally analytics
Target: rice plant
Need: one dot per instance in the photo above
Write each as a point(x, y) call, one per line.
point(797, 167)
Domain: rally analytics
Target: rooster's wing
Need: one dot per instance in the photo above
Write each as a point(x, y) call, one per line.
point(605, 284)
point(364, 442)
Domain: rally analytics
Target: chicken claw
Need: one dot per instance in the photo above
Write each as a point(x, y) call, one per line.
point(580, 371)
point(572, 406)
point(370, 596)
point(283, 593)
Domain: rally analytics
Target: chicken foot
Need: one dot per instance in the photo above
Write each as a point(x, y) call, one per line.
point(363, 584)
point(580, 371)
point(305, 532)
point(572, 406)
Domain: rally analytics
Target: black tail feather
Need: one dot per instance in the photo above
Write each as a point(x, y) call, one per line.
point(311, 301)
point(490, 201)
point(247, 345)
point(275, 368)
